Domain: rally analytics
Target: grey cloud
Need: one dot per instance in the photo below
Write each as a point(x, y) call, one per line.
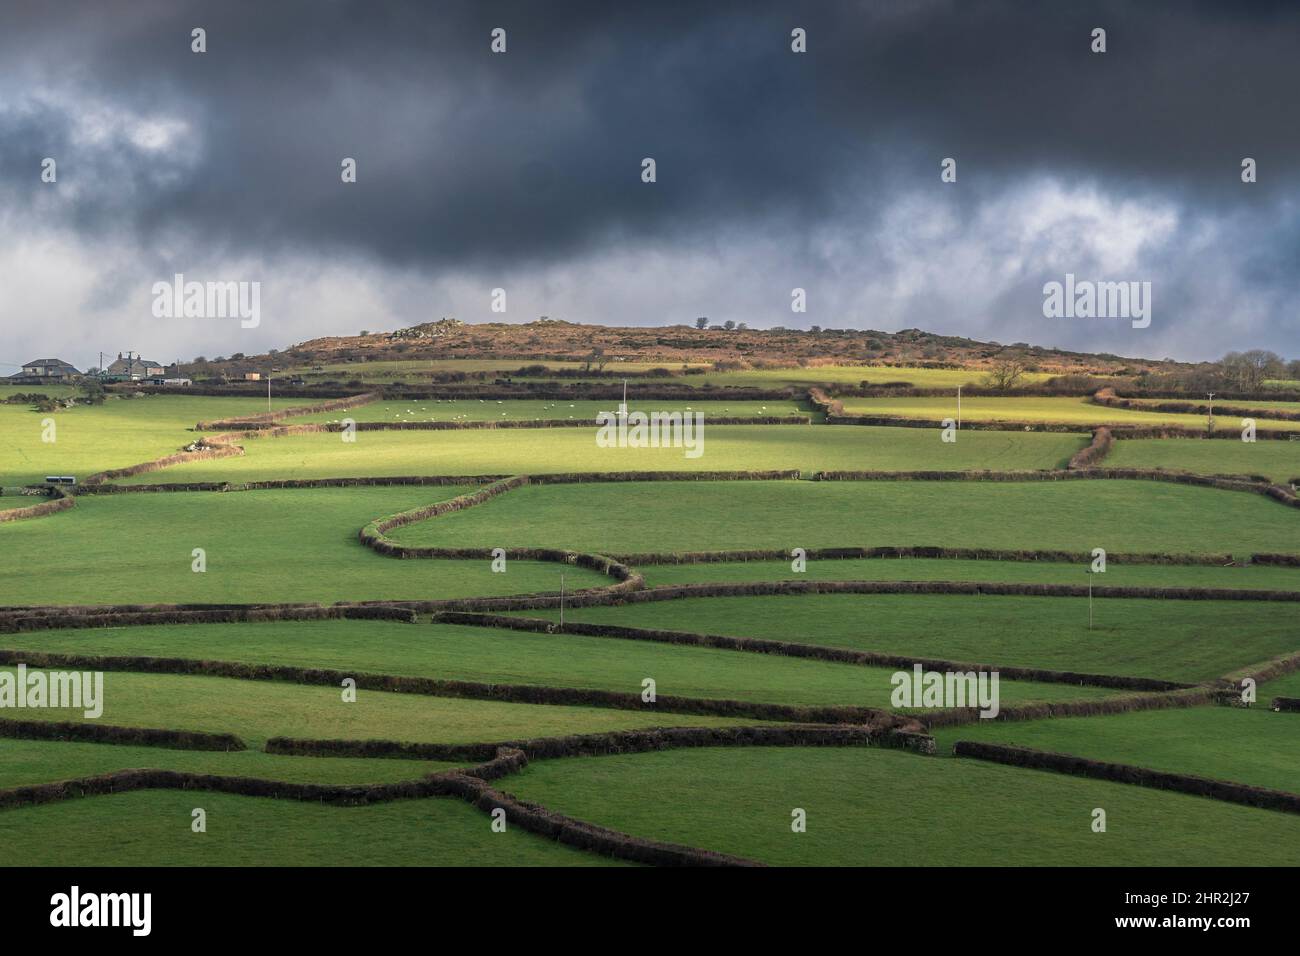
point(472, 165)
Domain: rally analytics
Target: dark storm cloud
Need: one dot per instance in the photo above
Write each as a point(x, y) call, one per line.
point(465, 155)
point(472, 163)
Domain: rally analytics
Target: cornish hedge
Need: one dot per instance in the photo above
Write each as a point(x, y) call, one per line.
point(93, 732)
point(1096, 450)
point(1125, 773)
point(57, 501)
point(795, 649)
point(434, 687)
point(333, 405)
point(123, 781)
point(880, 732)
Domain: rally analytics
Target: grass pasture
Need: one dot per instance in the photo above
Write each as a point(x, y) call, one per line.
point(725, 448)
point(298, 545)
point(1252, 746)
point(152, 828)
point(866, 806)
point(1171, 640)
point(1247, 577)
point(514, 657)
point(580, 412)
point(25, 762)
point(874, 807)
point(1277, 460)
point(256, 710)
point(1062, 410)
point(120, 432)
point(1133, 516)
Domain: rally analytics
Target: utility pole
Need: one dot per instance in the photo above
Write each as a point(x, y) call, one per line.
point(561, 600)
point(1211, 425)
point(959, 408)
point(268, 392)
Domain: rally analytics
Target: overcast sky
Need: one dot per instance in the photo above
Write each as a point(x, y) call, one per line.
point(522, 170)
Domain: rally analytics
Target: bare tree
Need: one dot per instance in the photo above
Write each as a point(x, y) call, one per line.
point(1006, 372)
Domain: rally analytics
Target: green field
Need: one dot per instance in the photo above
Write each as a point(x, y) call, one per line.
point(1255, 746)
point(25, 762)
point(514, 657)
point(261, 546)
point(256, 710)
point(873, 807)
point(1065, 410)
point(725, 448)
point(122, 431)
point(1134, 516)
point(1245, 577)
point(580, 412)
point(866, 806)
point(152, 828)
point(1171, 640)
point(1276, 460)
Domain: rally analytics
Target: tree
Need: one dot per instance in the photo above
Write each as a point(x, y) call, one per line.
point(92, 390)
point(702, 322)
point(1006, 372)
point(729, 325)
point(815, 328)
point(1293, 369)
point(742, 327)
point(1247, 370)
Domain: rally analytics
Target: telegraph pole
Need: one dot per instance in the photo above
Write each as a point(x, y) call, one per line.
point(1211, 423)
point(561, 600)
point(959, 408)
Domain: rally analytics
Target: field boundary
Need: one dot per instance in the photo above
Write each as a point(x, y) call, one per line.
point(1096, 450)
point(38, 618)
point(1107, 397)
point(928, 552)
point(1224, 790)
point(455, 689)
point(295, 411)
point(58, 500)
point(797, 649)
point(899, 732)
point(85, 732)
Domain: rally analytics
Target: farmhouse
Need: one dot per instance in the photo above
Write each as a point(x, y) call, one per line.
point(39, 371)
point(132, 368)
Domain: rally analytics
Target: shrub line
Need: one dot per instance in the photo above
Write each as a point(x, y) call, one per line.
point(58, 500)
point(927, 551)
point(888, 730)
point(125, 781)
point(821, 652)
point(458, 689)
point(1224, 790)
point(71, 731)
